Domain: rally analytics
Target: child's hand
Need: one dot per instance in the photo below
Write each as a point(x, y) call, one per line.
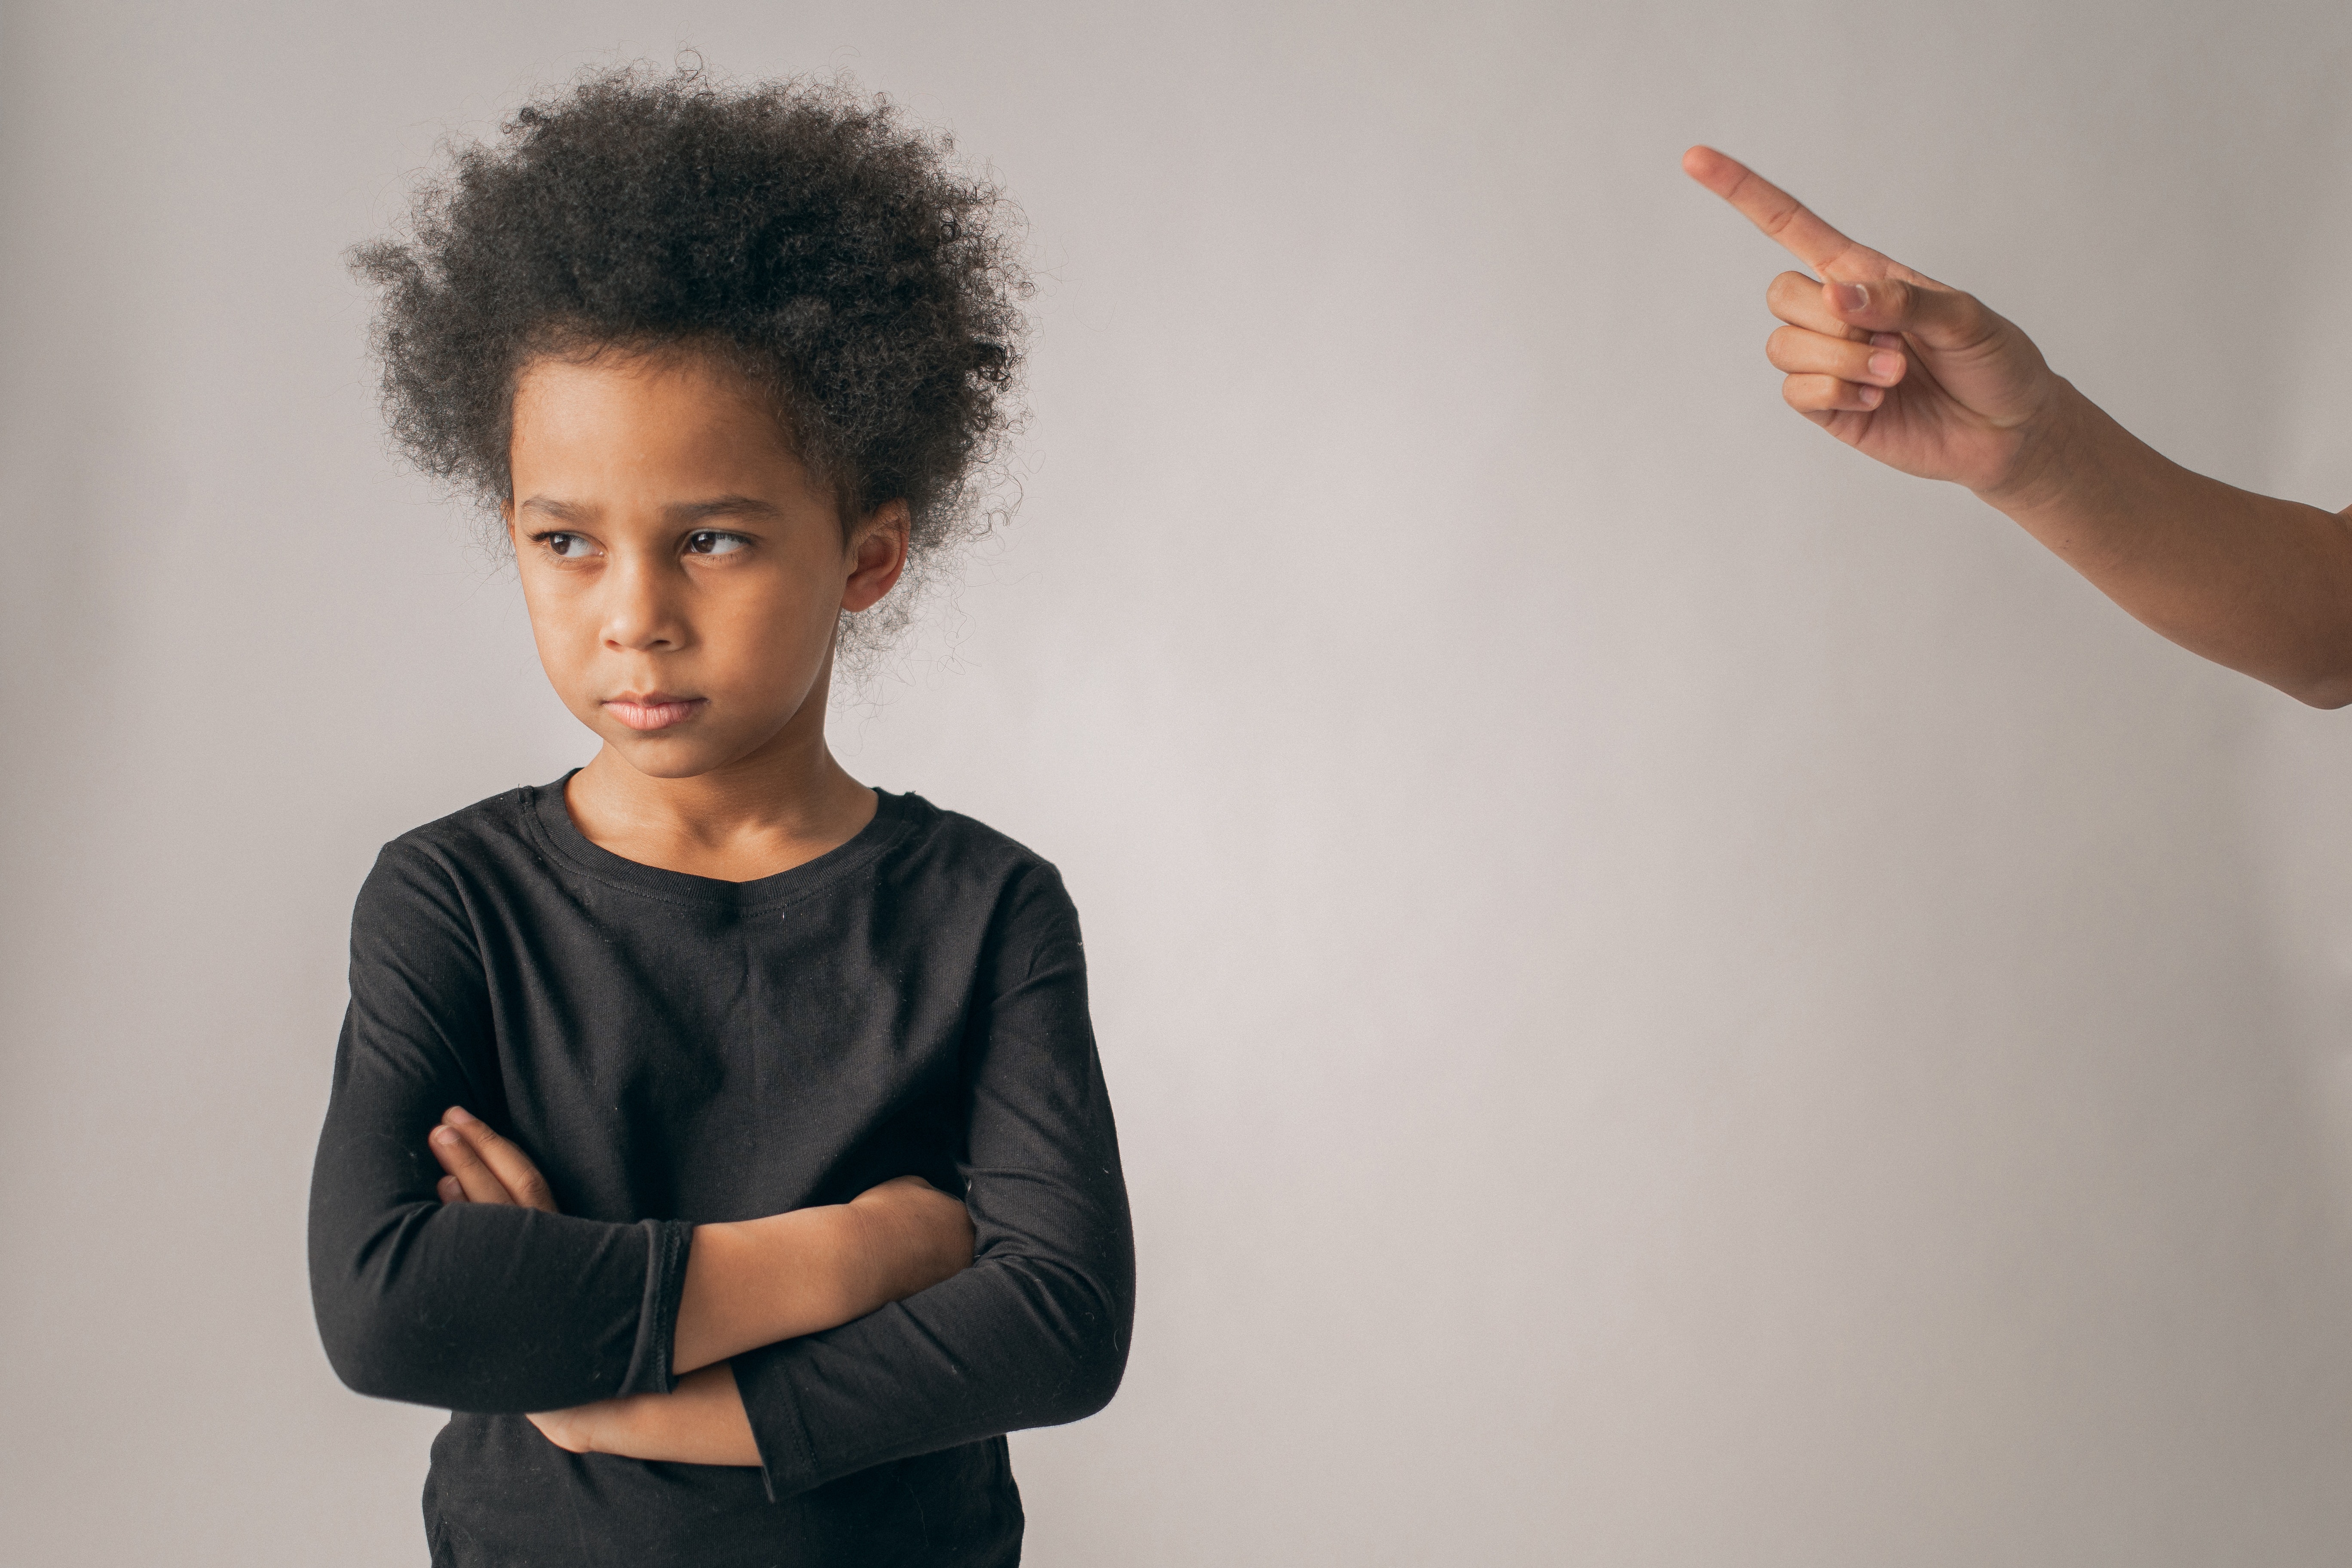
point(1894, 363)
point(700, 1422)
point(574, 1430)
point(483, 1167)
point(911, 1236)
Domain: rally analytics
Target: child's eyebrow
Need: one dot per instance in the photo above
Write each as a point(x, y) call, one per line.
point(721, 506)
point(680, 512)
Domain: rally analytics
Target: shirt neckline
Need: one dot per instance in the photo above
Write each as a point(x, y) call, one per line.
point(550, 820)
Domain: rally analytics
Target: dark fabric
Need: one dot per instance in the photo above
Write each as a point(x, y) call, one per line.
point(674, 1050)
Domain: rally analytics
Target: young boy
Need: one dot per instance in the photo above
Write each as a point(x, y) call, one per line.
point(722, 1139)
point(1925, 379)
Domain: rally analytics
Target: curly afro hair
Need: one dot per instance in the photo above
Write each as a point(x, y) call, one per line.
point(798, 229)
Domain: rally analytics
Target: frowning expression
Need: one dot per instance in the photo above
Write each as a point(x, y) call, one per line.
point(682, 570)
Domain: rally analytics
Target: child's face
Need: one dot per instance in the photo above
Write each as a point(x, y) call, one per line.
point(682, 571)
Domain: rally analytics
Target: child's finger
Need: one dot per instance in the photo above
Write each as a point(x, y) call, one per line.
point(463, 1162)
point(1815, 394)
point(1798, 351)
point(1781, 216)
point(1941, 319)
point(505, 1159)
point(448, 1191)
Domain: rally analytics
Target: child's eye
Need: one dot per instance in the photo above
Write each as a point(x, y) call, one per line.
point(711, 541)
point(569, 546)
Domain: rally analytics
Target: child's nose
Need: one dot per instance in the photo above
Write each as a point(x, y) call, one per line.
point(641, 615)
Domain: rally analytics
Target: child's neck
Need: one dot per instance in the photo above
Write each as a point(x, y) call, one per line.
point(768, 813)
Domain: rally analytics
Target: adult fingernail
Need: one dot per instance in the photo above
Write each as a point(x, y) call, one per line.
point(444, 1136)
point(1885, 365)
point(1850, 296)
point(460, 1113)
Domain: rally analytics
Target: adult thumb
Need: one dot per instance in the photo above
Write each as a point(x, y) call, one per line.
point(1939, 318)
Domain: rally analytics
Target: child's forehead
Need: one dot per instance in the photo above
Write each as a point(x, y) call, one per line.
point(670, 368)
point(683, 405)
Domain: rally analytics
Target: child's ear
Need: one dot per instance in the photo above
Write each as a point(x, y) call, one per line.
point(877, 554)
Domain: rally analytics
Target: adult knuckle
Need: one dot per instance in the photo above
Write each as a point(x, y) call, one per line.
point(1960, 320)
point(1975, 323)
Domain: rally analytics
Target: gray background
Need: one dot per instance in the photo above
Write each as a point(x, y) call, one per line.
point(1673, 997)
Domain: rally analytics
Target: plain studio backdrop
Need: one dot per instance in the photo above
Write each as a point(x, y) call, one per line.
point(1673, 997)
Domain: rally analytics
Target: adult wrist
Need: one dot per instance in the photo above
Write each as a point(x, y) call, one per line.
point(2052, 458)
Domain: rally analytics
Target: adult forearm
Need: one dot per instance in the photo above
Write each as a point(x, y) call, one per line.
point(2261, 585)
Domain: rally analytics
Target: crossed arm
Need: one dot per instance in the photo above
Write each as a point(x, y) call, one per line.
point(1927, 380)
point(748, 1284)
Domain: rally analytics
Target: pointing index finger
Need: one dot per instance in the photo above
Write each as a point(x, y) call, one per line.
point(1781, 216)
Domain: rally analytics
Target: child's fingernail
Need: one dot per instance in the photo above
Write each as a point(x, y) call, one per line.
point(443, 1136)
point(1885, 365)
point(460, 1113)
point(1850, 296)
point(1887, 340)
point(1870, 396)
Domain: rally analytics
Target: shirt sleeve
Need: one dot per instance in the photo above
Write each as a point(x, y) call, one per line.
point(1036, 1331)
point(474, 1307)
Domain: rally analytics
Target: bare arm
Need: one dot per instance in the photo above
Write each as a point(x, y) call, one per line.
point(748, 1284)
point(1926, 379)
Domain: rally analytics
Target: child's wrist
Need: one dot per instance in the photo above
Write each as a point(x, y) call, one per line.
point(605, 1426)
point(863, 1240)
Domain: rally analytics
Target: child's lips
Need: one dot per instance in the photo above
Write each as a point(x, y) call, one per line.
point(654, 711)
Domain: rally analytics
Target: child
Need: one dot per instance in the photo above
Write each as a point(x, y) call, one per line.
point(1926, 380)
point(722, 1139)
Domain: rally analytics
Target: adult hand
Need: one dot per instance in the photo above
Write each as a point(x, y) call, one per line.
point(483, 1167)
point(1902, 368)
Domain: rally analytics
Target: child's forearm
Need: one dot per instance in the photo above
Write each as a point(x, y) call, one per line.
point(2259, 584)
point(754, 1282)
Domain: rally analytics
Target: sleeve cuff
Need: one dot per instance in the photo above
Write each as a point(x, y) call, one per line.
point(787, 1457)
point(666, 1244)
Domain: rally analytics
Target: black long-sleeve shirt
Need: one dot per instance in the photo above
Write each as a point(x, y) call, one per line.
point(671, 1050)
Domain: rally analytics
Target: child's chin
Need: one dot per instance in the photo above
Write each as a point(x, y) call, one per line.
point(665, 754)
